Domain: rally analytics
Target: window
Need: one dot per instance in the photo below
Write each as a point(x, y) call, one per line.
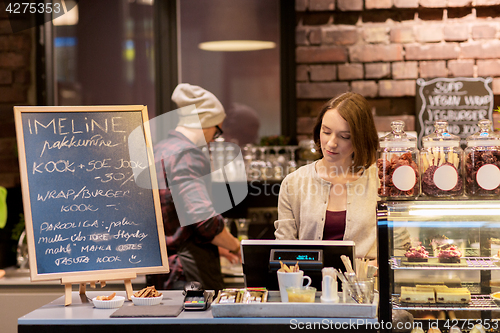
point(136, 51)
point(103, 53)
point(246, 82)
point(258, 82)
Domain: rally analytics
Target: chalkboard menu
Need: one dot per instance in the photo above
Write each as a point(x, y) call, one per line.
point(84, 212)
point(460, 101)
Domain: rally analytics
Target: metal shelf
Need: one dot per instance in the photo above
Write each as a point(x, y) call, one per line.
point(477, 302)
point(473, 263)
point(474, 288)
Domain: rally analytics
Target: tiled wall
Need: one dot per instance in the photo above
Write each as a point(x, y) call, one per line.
point(379, 48)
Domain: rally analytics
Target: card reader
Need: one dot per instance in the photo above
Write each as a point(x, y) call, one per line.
point(196, 300)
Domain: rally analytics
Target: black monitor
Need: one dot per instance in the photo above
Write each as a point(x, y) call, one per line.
point(261, 259)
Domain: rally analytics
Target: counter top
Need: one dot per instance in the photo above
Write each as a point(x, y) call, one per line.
point(82, 313)
point(20, 278)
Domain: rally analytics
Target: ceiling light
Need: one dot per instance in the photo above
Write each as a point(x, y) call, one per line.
point(233, 26)
point(236, 45)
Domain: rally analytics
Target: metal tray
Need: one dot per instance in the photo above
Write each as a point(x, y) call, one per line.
point(432, 261)
point(275, 308)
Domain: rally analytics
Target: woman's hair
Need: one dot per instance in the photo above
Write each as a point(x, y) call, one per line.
point(355, 109)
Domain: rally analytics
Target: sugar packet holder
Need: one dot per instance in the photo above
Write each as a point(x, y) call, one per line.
point(247, 295)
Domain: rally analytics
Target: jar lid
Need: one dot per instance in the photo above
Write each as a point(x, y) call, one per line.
point(398, 138)
point(485, 136)
point(441, 137)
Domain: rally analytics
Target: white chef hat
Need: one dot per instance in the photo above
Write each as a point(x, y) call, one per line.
point(207, 111)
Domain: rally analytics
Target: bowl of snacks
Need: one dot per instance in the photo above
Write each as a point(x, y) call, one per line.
point(147, 296)
point(108, 302)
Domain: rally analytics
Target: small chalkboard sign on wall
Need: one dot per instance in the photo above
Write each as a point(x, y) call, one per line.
point(460, 101)
point(85, 215)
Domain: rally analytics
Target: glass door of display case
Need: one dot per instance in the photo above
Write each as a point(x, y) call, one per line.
point(462, 239)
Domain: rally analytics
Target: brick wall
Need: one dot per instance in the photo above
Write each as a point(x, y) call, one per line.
point(15, 83)
point(379, 48)
point(375, 47)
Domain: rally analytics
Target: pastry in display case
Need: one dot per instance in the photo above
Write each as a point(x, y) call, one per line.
point(417, 254)
point(449, 255)
point(446, 273)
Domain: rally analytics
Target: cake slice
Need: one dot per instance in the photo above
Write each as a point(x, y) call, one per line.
point(413, 295)
point(417, 254)
point(450, 254)
point(453, 295)
point(432, 287)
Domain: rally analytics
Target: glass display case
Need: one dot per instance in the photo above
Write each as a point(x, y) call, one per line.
point(462, 238)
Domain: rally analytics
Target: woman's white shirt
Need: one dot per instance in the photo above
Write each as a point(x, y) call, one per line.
point(303, 200)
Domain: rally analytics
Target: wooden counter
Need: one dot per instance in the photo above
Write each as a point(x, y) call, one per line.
point(81, 316)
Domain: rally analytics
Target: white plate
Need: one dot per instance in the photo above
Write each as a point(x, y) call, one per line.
point(116, 302)
point(147, 300)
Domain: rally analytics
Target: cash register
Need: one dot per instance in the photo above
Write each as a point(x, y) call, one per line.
point(261, 259)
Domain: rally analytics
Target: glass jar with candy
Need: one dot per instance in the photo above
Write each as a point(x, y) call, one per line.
point(482, 162)
point(397, 164)
point(441, 163)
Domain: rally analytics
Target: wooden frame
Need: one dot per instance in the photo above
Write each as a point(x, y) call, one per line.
point(100, 274)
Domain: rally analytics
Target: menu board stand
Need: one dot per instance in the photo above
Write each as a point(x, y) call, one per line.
point(461, 101)
point(101, 279)
point(90, 194)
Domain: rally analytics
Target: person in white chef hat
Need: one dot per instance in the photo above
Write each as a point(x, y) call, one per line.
point(193, 229)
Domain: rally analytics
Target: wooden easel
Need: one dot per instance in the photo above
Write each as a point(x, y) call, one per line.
point(93, 280)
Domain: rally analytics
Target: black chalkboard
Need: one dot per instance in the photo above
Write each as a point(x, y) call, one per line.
point(85, 214)
point(460, 101)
